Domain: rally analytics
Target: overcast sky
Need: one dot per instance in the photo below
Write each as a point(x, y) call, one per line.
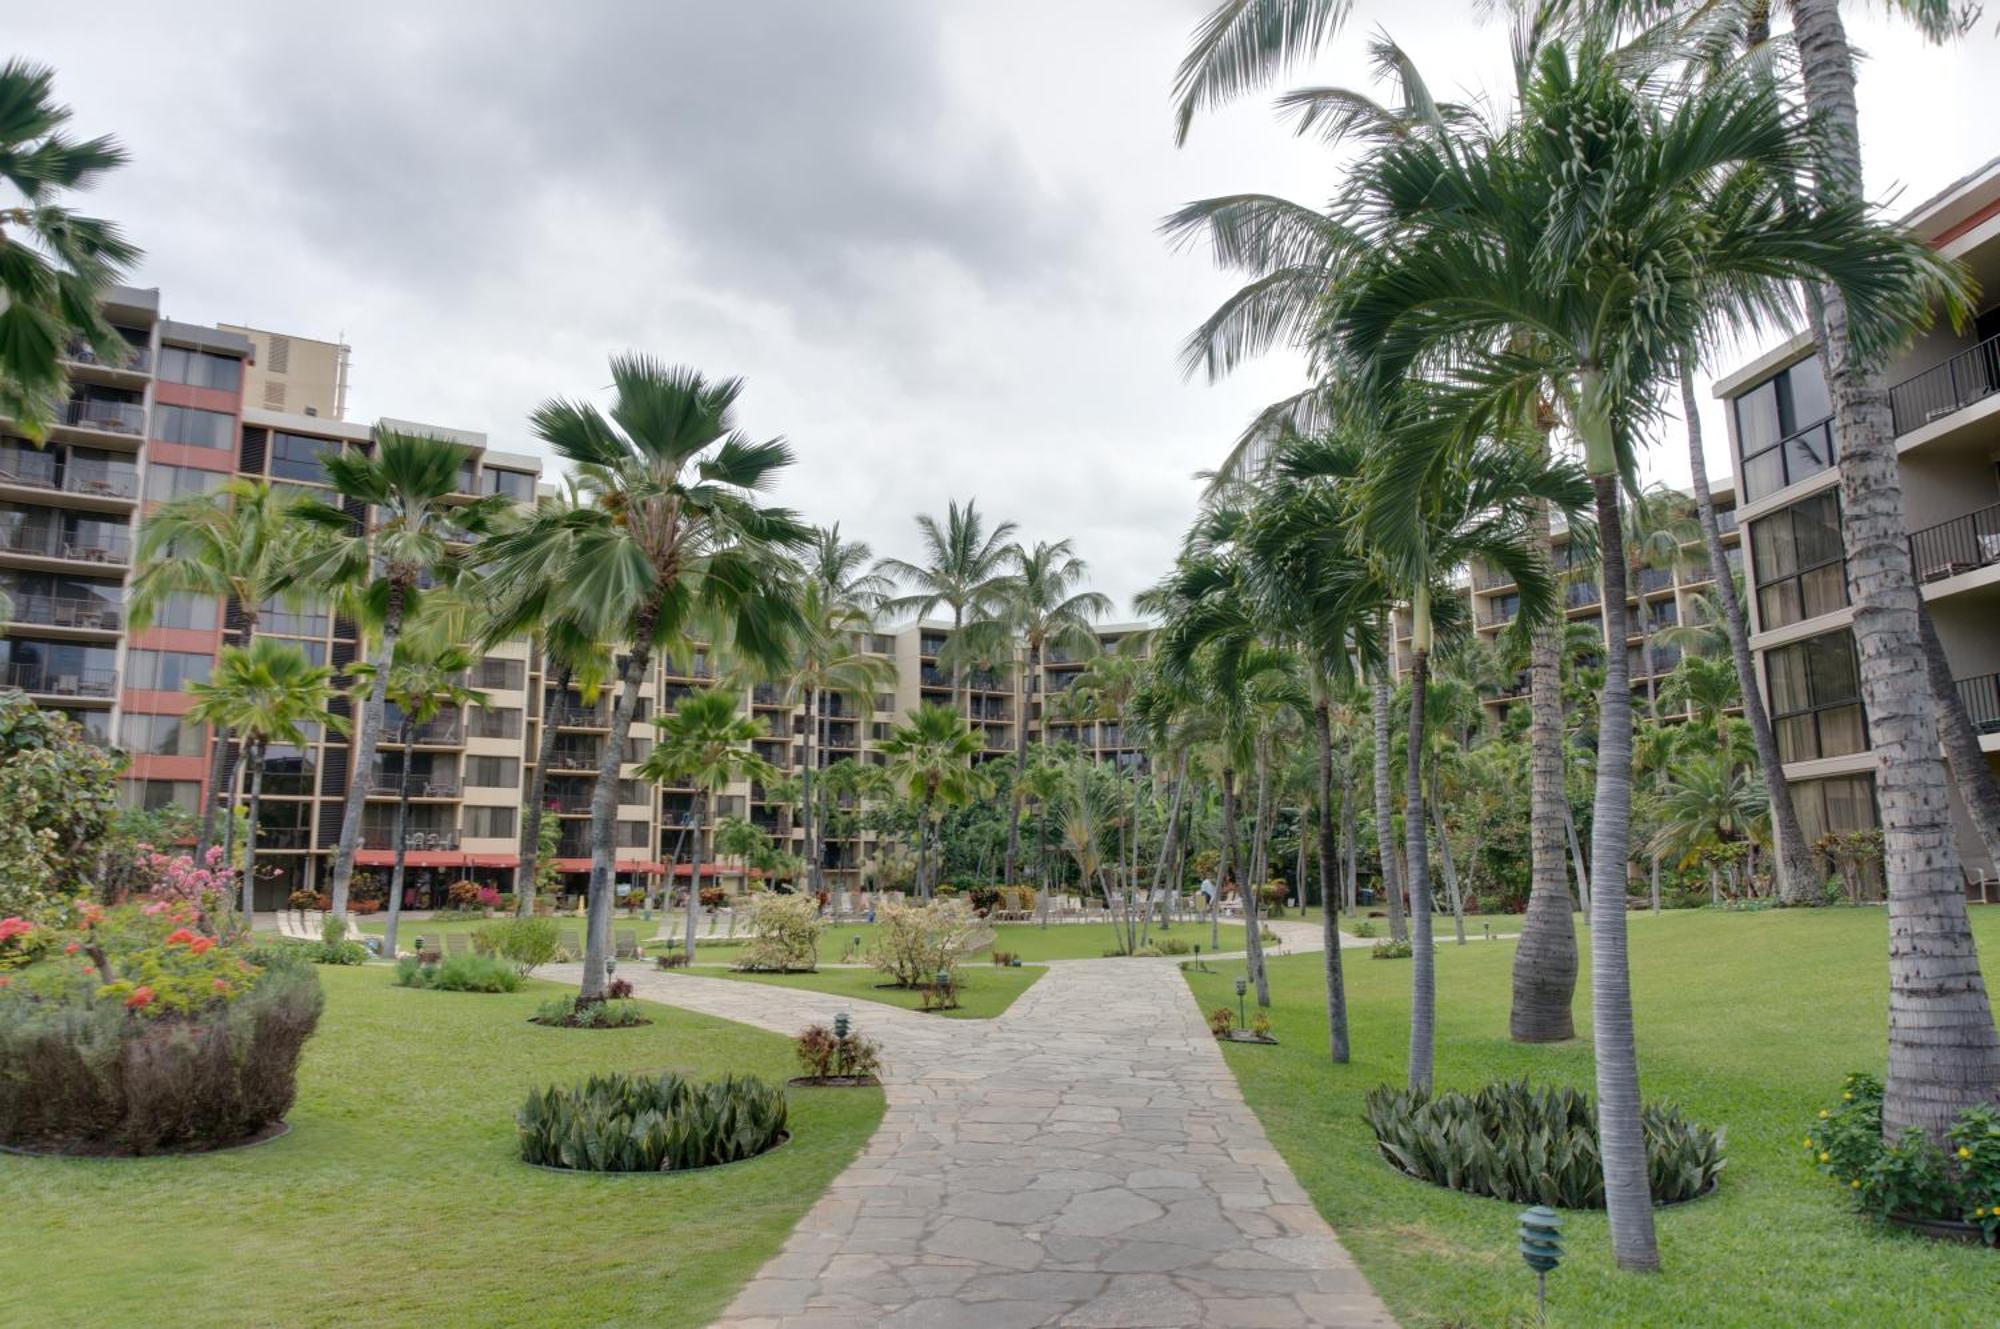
point(923, 232)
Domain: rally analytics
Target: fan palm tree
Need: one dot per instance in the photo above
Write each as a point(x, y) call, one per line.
point(963, 569)
point(1708, 802)
point(240, 545)
point(931, 758)
point(383, 563)
point(1706, 686)
point(675, 537)
point(1038, 605)
point(423, 680)
point(59, 261)
point(267, 692)
point(704, 742)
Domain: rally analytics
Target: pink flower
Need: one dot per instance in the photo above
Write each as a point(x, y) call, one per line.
point(180, 937)
point(71, 949)
point(200, 945)
point(14, 927)
point(220, 985)
point(140, 998)
point(4, 980)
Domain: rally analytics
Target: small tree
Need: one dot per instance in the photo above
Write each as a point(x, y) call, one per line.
point(914, 943)
point(787, 929)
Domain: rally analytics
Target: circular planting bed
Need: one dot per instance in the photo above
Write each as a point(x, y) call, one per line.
point(274, 1131)
point(638, 1123)
point(569, 1012)
point(1510, 1141)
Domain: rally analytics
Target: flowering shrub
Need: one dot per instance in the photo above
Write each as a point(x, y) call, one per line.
point(175, 877)
point(59, 793)
point(1911, 1177)
point(837, 1053)
point(134, 1031)
point(787, 930)
point(713, 897)
point(914, 943)
point(488, 897)
point(462, 894)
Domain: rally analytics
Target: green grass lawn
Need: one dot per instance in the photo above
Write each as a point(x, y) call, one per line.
point(398, 1199)
point(985, 991)
point(1747, 1020)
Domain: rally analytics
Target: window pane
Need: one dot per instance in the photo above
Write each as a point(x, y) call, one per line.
point(1774, 547)
point(1842, 732)
point(1797, 739)
point(1785, 669)
point(1835, 674)
point(1824, 590)
point(1810, 400)
point(1757, 417)
point(1807, 454)
point(1763, 474)
point(1778, 606)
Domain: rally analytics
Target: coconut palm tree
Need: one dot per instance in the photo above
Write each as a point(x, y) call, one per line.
point(704, 742)
point(931, 758)
point(423, 680)
point(964, 564)
point(240, 545)
point(1038, 605)
point(267, 692)
point(384, 563)
point(675, 537)
point(59, 261)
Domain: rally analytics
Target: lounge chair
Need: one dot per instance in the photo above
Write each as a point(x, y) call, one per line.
point(626, 946)
point(458, 943)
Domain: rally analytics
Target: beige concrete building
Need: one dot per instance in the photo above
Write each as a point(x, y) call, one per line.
point(296, 375)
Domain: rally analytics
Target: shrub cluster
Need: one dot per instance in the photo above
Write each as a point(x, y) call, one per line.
point(1392, 950)
point(527, 943)
point(839, 1052)
point(1911, 1177)
point(914, 943)
point(571, 1012)
point(459, 973)
point(786, 931)
point(636, 1123)
point(1533, 1146)
point(134, 1033)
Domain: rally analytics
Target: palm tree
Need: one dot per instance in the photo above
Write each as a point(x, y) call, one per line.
point(241, 545)
point(1111, 685)
point(384, 562)
point(740, 839)
point(59, 262)
point(675, 538)
point(1038, 604)
point(963, 569)
point(1706, 686)
point(423, 680)
point(1041, 785)
point(268, 693)
point(704, 742)
point(931, 758)
point(1708, 802)
point(837, 602)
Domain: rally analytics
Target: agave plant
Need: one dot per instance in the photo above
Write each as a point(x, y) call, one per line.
point(637, 1123)
point(1529, 1145)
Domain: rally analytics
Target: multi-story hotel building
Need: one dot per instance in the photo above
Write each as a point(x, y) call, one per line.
point(1946, 403)
point(192, 406)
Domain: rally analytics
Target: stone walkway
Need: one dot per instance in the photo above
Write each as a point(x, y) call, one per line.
point(1086, 1159)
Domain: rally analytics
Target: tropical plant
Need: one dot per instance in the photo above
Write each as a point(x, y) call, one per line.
point(963, 569)
point(459, 973)
point(638, 1123)
point(573, 1011)
point(59, 261)
point(786, 931)
point(704, 742)
point(838, 1052)
point(267, 692)
point(931, 758)
point(527, 943)
point(914, 943)
point(60, 792)
point(1911, 1177)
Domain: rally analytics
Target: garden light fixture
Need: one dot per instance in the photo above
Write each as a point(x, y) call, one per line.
point(1242, 1016)
point(1541, 1247)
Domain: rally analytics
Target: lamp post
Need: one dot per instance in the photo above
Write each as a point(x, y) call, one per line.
point(1541, 1248)
point(1242, 1015)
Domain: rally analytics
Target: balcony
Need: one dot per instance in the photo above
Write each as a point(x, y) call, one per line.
point(63, 611)
point(569, 715)
point(29, 470)
point(1969, 376)
point(55, 681)
point(570, 800)
point(574, 761)
point(1491, 579)
point(444, 732)
point(47, 540)
point(1654, 580)
point(283, 837)
point(389, 784)
point(419, 839)
point(137, 360)
point(1981, 696)
point(1963, 544)
point(1580, 595)
point(764, 694)
point(110, 417)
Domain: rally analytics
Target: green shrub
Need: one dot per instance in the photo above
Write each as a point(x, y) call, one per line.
point(839, 1052)
point(1172, 946)
point(1533, 1146)
point(1392, 950)
point(571, 1013)
point(1911, 1177)
point(635, 1123)
point(528, 943)
point(315, 952)
point(332, 930)
point(786, 928)
point(1363, 928)
point(916, 942)
point(459, 973)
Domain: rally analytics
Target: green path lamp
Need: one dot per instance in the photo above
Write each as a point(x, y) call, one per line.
point(1541, 1247)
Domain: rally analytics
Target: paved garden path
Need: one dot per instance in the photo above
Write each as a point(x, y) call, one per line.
point(1085, 1159)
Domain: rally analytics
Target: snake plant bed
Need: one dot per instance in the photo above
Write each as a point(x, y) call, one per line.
point(403, 1145)
point(1746, 1020)
point(656, 1123)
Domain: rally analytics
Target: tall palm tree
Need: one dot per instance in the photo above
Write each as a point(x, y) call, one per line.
point(675, 537)
point(59, 261)
point(383, 556)
point(931, 757)
point(963, 567)
point(240, 545)
point(1038, 604)
point(423, 680)
point(704, 742)
point(268, 693)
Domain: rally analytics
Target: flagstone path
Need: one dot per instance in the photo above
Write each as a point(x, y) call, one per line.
point(1085, 1159)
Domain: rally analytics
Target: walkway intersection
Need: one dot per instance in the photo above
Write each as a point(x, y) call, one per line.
point(1086, 1159)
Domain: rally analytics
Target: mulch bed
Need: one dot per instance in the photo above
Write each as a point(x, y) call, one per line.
point(834, 1081)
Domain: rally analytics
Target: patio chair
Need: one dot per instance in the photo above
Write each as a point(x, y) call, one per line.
point(458, 943)
point(572, 945)
point(625, 945)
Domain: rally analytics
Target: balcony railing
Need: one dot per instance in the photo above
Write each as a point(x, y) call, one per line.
point(1981, 696)
point(1655, 579)
point(1967, 377)
point(1491, 579)
point(137, 359)
point(284, 837)
point(63, 611)
point(390, 783)
point(97, 481)
point(419, 839)
point(1580, 594)
point(113, 417)
point(54, 680)
point(48, 541)
point(567, 715)
point(573, 760)
point(1962, 544)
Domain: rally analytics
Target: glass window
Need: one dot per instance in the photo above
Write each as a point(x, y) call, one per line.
point(514, 484)
point(495, 722)
point(1797, 555)
point(165, 482)
point(197, 428)
point(1783, 429)
point(153, 795)
point(631, 834)
point(166, 671)
point(182, 610)
point(200, 369)
point(298, 456)
point(1815, 689)
point(489, 823)
point(163, 736)
point(305, 618)
point(499, 672)
point(1757, 417)
point(492, 772)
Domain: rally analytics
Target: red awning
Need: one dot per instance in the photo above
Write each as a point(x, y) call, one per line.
point(622, 865)
point(493, 860)
point(416, 858)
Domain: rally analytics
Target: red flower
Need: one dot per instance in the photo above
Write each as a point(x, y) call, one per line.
point(14, 927)
point(179, 937)
point(92, 915)
point(221, 985)
point(140, 998)
point(4, 980)
point(71, 949)
point(90, 971)
point(200, 945)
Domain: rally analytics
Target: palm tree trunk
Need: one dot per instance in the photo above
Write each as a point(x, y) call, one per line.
point(1225, 867)
point(703, 802)
point(1578, 865)
point(1976, 788)
point(229, 808)
point(1033, 670)
point(1385, 810)
point(533, 808)
point(220, 776)
point(250, 836)
point(1798, 874)
point(1622, 1143)
point(604, 804)
point(1350, 827)
point(1423, 956)
point(807, 809)
point(1329, 903)
point(1171, 841)
point(1545, 958)
point(366, 736)
point(1456, 896)
point(402, 846)
point(1944, 1053)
